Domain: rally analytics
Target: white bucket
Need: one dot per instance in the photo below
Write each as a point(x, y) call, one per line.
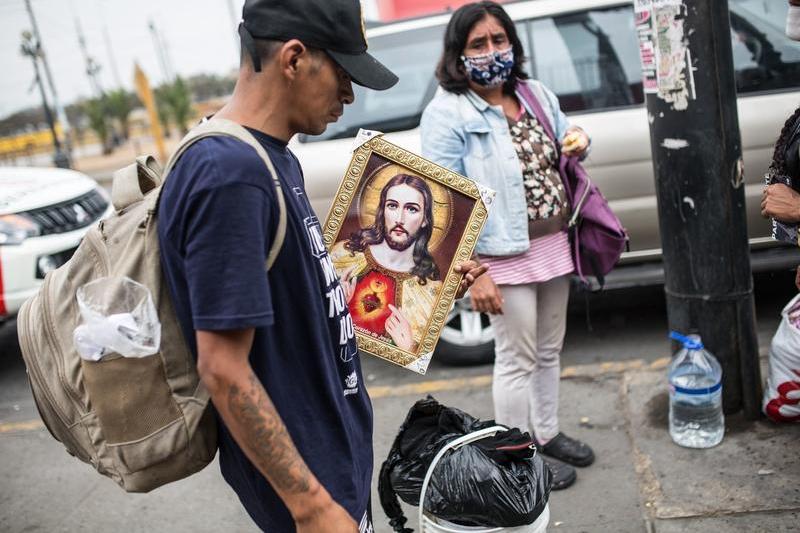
point(431, 524)
point(437, 525)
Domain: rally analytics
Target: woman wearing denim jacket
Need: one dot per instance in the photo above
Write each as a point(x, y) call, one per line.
point(481, 127)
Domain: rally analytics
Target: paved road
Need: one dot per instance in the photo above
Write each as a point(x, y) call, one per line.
point(44, 489)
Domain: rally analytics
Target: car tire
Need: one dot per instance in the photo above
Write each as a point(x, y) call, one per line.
point(466, 338)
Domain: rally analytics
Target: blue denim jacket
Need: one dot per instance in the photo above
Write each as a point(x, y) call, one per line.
point(464, 133)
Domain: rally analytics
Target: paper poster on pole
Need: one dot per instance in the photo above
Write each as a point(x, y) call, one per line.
point(666, 60)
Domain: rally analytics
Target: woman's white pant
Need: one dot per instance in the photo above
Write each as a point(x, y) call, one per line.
point(528, 340)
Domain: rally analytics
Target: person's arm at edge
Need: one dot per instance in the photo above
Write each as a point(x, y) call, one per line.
point(251, 417)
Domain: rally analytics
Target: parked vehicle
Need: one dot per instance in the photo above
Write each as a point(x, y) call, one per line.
point(44, 213)
point(587, 52)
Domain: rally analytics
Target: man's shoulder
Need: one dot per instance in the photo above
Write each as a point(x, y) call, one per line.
point(218, 161)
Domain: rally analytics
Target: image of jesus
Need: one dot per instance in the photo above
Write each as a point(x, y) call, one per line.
point(390, 279)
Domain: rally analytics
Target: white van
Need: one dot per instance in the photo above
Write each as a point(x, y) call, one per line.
point(44, 214)
point(587, 52)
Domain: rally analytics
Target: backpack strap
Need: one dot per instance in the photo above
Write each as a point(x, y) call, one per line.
point(217, 127)
point(131, 183)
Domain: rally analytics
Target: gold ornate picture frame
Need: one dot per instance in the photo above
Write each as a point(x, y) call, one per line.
point(397, 227)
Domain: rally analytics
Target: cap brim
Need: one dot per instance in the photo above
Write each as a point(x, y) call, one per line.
point(365, 70)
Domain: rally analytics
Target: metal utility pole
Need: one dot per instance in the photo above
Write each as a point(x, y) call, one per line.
point(697, 156)
point(29, 48)
point(92, 67)
point(111, 58)
point(160, 52)
point(168, 57)
point(62, 115)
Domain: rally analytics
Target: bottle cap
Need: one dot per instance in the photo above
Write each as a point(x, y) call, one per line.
point(689, 344)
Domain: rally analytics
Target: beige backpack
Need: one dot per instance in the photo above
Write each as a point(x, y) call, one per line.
point(142, 421)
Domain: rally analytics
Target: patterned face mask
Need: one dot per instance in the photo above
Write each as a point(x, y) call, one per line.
point(490, 70)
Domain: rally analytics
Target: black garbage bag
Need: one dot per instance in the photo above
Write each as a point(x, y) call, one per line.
point(497, 481)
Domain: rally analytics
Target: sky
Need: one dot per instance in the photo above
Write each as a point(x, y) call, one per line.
point(200, 37)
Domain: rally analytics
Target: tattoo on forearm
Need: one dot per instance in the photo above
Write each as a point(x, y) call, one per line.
point(266, 436)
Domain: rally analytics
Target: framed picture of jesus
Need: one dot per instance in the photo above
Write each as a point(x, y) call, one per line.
point(397, 227)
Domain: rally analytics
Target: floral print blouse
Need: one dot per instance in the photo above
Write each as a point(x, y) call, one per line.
point(538, 158)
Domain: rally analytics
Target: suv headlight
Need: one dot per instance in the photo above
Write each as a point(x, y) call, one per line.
point(16, 228)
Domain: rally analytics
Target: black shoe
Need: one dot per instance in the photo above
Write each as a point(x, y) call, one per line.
point(569, 450)
point(563, 474)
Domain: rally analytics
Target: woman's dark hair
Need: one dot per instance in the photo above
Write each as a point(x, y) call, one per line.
point(450, 70)
point(789, 130)
point(424, 266)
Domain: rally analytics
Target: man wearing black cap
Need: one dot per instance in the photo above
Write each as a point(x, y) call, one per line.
point(276, 350)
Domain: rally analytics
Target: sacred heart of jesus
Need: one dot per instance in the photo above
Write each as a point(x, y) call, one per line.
point(370, 304)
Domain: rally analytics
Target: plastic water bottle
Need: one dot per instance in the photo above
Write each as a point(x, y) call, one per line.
point(695, 395)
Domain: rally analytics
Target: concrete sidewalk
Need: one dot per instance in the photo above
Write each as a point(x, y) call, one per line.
point(641, 482)
point(750, 482)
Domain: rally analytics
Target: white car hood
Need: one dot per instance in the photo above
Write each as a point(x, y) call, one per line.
point(26, 188)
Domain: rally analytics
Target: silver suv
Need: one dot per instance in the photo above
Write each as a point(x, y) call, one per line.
point(586, 51)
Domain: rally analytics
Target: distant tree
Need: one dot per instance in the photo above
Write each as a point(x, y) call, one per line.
point(77, 119)
point(206, 86)
point(21, 121)
point(120, 103)
point(163, 108)
point(179, 101)
point(97, 113)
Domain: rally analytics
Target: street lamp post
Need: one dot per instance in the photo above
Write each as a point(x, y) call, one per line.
point(30, 49)
point(62, 115)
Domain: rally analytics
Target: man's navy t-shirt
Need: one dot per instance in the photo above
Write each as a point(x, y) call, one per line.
point(216, 221)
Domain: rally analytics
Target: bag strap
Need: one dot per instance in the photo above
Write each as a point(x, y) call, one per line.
point(217, 127)
point(524, 91)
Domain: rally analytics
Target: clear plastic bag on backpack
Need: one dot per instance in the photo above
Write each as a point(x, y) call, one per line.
point(118, 317)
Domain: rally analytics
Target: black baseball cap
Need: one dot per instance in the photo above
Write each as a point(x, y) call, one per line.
point(336, 26)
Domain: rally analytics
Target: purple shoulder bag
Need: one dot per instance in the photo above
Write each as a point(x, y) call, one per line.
point(596, 235)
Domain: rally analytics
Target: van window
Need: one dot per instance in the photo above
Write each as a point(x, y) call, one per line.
point(590, 59)
point(763, 57)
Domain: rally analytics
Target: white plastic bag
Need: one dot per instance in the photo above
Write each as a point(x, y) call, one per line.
point(118, 316)
point(782, 394)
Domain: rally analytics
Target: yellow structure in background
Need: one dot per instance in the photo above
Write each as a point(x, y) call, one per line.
point(24, 144)
point(146, 96)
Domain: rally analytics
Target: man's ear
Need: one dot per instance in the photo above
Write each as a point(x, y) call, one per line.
point(291, 54)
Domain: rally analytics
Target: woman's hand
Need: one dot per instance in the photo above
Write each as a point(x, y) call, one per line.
point(471, 271)
point(399, 329)
point(780, 202)
point(485, 296)
point(575, 142)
